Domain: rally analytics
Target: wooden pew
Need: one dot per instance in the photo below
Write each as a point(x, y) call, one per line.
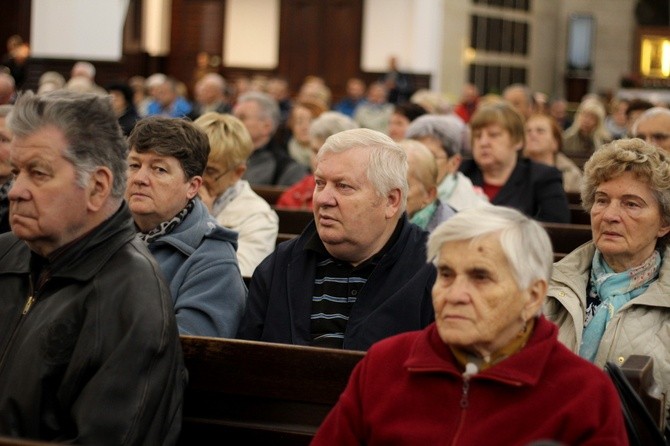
point(268, 192)
point(639, 371)
point(574, 197)
point(578, 215)
point(565, 237)
point(642, 401)
point(293, 221)
point(258, 392)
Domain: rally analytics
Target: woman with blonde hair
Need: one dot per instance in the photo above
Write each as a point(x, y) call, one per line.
point(544, 144)
point(587, 131)
point(229, 198)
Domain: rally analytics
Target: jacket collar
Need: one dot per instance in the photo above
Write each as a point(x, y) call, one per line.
point(300, 271)
point(430, 354)
point(315, 244)
point(573, 271)
point(85, 257)
point(198, 224)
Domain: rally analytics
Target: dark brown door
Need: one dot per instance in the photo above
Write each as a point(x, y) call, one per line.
point(321, 38)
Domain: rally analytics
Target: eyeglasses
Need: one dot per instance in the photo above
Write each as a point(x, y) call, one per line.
point(655, 137)
point(214, 175)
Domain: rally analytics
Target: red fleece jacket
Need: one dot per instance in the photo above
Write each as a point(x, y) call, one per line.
point(408, 390)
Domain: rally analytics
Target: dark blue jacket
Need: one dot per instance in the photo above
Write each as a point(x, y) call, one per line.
point(395, 299)
point(533, 188)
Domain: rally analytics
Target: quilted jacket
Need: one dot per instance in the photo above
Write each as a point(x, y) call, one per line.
point(641, 327)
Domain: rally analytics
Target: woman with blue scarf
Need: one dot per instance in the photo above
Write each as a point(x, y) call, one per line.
point(424, 208)
point(611, 296)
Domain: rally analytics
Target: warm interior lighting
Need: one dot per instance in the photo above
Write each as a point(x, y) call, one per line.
point(655, 57)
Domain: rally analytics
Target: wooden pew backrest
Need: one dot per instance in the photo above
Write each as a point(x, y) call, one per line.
point(574, 198)
point(293, 221)
point(269, 193)
point(260, 392)
point(639, 370)
point(578, 215)
point(565, 237)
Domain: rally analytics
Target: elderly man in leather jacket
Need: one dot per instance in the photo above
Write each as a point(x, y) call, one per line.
point(89, 350)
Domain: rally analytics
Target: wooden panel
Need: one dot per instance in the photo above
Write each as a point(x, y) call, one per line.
point(269, 193)
point(293, 221)
point(321, 38)
point(565, 237)
point(14, 19)
point(342, 42)
point(197, 25)
point(578, 215)
point(258, 392)
point(300, 40)
point(316, 37)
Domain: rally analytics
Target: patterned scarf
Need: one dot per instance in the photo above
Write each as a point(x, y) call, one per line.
point(609, 291)
point(167, 226)
point(226, 197)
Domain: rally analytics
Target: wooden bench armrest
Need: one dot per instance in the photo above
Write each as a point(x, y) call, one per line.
point(639, 371)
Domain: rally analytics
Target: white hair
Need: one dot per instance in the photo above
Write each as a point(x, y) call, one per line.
point(524, 241)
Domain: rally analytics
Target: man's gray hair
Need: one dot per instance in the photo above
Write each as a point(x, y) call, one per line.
point(90, 127)
point(524, 241)
point(649, 113)
point(267, 104)
point(387, 168)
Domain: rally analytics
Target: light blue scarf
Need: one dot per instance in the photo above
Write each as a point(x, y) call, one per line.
point(422, 217)
point(446, 187)
point(614, 290)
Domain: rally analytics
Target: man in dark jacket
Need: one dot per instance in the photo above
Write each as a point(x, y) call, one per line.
point(270, 162)
point(89, 350)
point(357, 274)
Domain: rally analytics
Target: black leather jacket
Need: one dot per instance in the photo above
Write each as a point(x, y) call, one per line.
point(95, 358)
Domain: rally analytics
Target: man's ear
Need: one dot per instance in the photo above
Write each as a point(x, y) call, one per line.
point(393, 199)
point(99, 188)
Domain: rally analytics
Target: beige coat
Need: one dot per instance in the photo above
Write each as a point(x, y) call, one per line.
point(257, 225)
point(640, 327)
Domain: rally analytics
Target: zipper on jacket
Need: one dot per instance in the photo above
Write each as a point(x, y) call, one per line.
point(464, 394)
point(28, 305)
point(464, 403)
point(26, 308)
point(470, 370)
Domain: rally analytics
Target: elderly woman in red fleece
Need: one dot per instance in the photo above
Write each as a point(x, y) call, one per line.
point(490, 370)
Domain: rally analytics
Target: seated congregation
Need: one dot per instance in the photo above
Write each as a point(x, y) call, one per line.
point(418, 264)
